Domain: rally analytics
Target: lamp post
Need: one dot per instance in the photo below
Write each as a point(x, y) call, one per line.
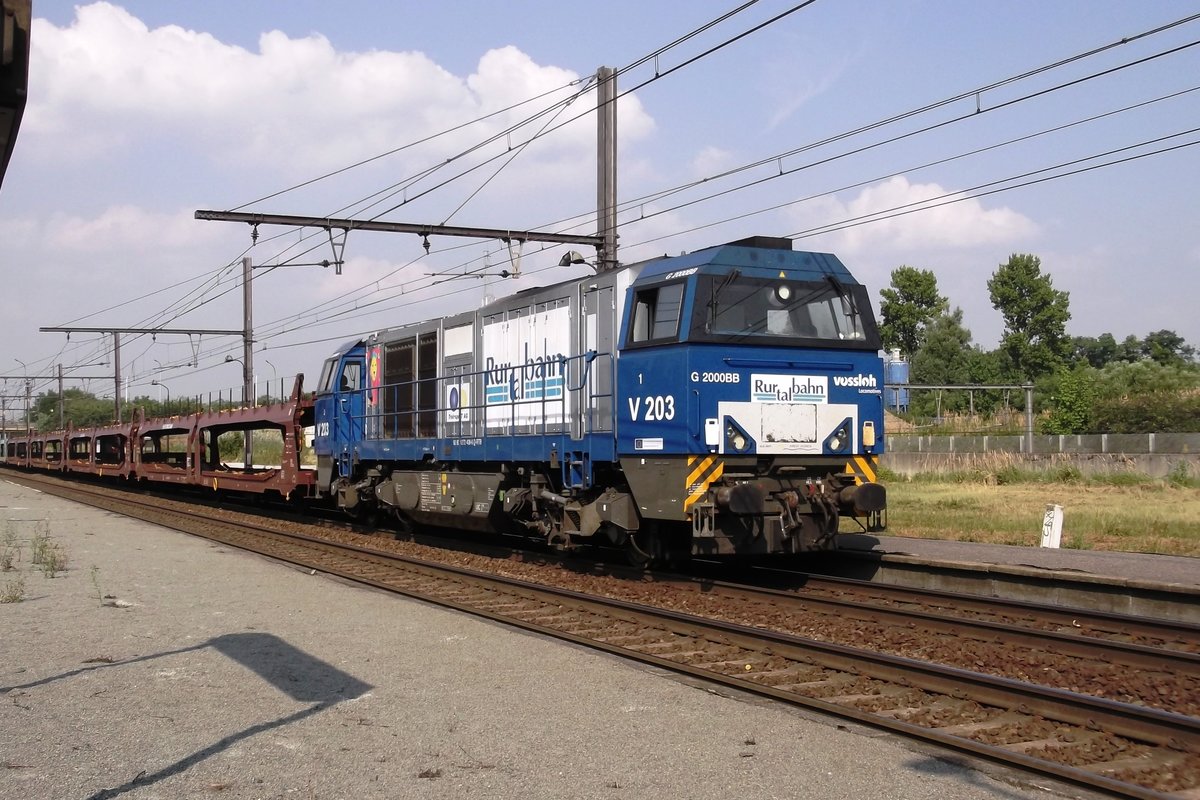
point(247, 450)
point(25, 370)
point(274, 377)
point(162, 385)
point(232, 360)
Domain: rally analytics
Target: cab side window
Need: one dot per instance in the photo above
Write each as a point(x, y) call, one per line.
point(351, 380)
point(325, 385)
point(656, 313)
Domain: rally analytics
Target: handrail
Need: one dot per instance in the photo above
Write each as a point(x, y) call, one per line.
point(384, 419)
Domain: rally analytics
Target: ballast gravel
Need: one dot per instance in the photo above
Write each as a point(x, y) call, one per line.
point(158, 665)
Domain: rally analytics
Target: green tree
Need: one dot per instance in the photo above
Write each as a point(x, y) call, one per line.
point(1129, 350)
point(1121, 379)
point(1158, 412)
point(944, 358)
point(82, 410)
point(1167, 347)
point(908, 308)
point(1095, 351)
point(989, 367)
point(1035, 316)
point(1072, 401)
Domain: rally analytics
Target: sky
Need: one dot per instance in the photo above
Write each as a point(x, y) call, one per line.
point(937, 134)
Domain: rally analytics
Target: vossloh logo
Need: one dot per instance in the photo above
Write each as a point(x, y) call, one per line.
point(856, 381)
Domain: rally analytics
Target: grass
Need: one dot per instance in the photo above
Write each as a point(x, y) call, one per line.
point(1120, 511)
point(54, 561)
point(13, 591)
point(39, 543)
point(10, 552)
point(47, 555)
point(96, 584)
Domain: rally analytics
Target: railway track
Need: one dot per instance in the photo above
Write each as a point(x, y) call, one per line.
point(1130, 749)
point(1090, 655)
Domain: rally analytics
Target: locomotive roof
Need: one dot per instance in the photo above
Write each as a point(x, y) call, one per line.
point(762, 254)
point(756, 253)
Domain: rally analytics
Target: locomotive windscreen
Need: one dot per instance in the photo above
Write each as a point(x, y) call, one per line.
point(734, 308)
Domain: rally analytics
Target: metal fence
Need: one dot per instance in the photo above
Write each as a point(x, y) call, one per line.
point(1116, 443)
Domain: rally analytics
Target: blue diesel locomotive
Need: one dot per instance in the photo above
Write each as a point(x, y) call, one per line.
point(726, 401)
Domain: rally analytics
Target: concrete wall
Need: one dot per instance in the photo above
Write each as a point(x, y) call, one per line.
point(1111, 443)
point(1156, 465)
point(1155, 454)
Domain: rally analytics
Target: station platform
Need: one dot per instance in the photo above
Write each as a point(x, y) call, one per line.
point(1137, 584)
point(1147, 567)
point(161, 665)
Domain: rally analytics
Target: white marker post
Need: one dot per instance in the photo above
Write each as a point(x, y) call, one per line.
point(1052, 526)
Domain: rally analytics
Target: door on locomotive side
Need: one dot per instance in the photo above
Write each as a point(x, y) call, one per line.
point(340, 410)
point(594, 412)
point(350, 408)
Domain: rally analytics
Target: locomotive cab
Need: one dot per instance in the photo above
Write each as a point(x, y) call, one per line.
point(752, 390)
point(340, 413)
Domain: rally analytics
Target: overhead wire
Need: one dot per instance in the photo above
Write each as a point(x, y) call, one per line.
point(946, 199)
point(960, 195)
point(779, 157)
point(1125, 40)
point(453, 129)
point(563, 104)
point(657, 76)
point(944, 160)
point(957, 197)
point(918, 167)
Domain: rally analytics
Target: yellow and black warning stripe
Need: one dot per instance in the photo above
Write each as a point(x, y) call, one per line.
point(865, 469)
point(702, 471)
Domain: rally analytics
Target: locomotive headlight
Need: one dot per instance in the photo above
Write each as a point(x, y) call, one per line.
point(839, 440)
point(783, 292)
point(735, 438)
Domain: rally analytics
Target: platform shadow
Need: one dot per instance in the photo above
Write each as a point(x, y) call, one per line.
point(299, 675)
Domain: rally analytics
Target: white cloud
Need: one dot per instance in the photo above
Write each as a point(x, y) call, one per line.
point(126, 228)
point(966, 223)
point(711, 160)
point(18, 232)
point(295, 105)
point(790, 95)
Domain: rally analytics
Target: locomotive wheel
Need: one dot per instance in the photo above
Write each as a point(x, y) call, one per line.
point(644, 547)
point(365, 514)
